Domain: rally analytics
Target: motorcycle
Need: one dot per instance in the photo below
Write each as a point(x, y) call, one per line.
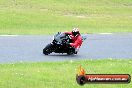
point(60, 44)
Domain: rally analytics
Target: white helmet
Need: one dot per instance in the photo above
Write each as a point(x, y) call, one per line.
point(75, 31)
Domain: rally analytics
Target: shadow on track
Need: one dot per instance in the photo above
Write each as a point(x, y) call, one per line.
point(61, 56)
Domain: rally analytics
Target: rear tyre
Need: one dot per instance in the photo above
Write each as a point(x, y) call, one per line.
point(48, 49)
point(71, 51)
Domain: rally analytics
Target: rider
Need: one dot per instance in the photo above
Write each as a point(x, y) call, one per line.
point(76, 39)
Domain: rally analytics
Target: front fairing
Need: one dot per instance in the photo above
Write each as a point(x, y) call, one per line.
point(59, 38)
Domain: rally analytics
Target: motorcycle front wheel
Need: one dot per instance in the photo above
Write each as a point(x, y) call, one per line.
point(48, 49)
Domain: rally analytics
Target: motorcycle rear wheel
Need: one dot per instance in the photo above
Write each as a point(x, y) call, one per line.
point(70, 51)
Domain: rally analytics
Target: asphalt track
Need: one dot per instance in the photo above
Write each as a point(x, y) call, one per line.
point(28, 48)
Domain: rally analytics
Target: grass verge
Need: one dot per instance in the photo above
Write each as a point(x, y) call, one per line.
point(60, 74)
point(50, 16)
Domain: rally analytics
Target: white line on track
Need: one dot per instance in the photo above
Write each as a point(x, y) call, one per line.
point(105, 33)
point(18, 35)
point(9, 35)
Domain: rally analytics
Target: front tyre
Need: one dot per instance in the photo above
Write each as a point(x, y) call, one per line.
point(48, 49)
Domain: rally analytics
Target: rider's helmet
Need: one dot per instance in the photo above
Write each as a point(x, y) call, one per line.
point(75, 31)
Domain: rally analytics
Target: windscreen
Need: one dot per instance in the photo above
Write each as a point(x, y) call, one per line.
point(59, 37)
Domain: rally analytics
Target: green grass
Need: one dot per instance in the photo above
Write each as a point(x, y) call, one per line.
point(49, 16)
point(60, 74)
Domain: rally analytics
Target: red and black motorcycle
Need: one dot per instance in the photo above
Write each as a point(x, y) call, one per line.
point(60, 44)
